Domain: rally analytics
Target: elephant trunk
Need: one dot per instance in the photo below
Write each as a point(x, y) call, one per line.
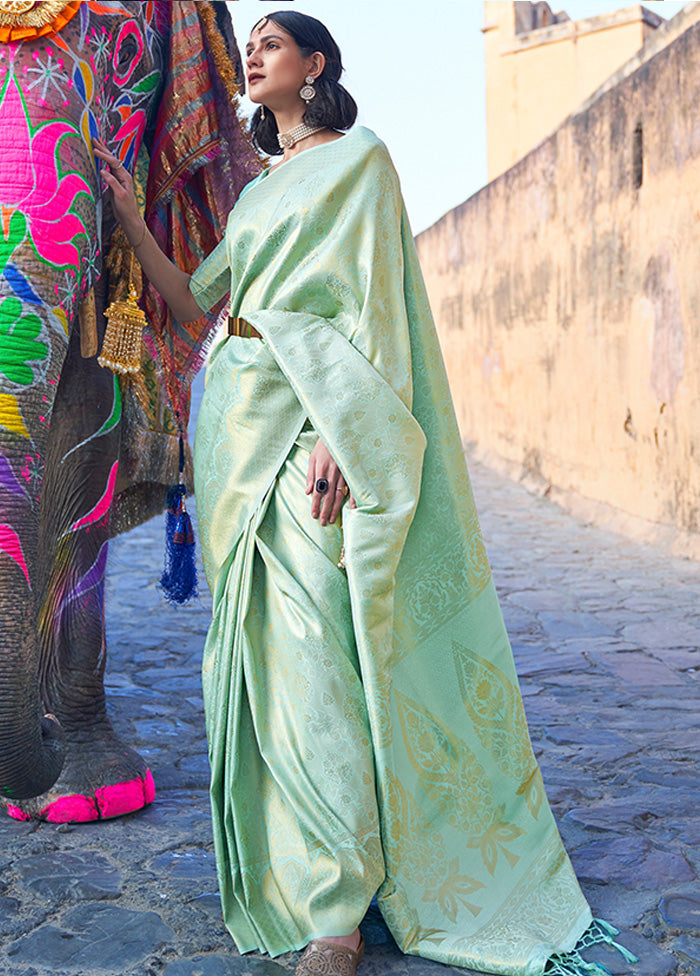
point(20, 780)
point(31, 743)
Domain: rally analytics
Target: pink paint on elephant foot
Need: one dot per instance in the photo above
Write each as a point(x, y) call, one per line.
point(108, 801)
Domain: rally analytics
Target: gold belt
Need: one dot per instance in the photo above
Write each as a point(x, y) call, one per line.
point(239, 327)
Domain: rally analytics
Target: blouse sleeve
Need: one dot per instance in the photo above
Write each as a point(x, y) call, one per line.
point(212, 279)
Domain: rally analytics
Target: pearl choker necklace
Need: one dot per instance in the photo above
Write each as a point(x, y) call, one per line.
point(299, 132)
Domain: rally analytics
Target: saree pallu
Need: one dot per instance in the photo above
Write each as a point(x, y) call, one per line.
point(410, 648)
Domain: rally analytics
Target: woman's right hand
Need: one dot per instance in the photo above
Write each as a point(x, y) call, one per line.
point(124, 203)
point(326, 507)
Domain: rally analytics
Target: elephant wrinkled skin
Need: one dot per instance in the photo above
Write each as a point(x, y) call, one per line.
point(102, 68)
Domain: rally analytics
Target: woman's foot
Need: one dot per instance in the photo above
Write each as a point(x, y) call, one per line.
point(337, 955)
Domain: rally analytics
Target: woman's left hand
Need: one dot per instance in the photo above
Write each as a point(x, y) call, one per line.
point(326, 505)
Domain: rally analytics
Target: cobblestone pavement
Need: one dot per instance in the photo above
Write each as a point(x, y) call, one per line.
point(606, 637)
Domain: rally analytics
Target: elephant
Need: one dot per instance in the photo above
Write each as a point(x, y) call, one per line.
point(85, 453)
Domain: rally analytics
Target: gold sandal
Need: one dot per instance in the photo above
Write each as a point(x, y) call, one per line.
point(321, 958)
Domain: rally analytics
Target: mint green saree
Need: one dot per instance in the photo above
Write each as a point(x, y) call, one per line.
point(366, 730)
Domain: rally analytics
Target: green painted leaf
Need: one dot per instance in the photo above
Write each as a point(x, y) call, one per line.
point(17, 231)
point(18, 342)
point(148, 83)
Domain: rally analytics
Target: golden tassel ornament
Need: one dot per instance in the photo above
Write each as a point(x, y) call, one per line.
point(121, 348)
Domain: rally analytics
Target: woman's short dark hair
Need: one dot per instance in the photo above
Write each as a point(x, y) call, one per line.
point(333, 106)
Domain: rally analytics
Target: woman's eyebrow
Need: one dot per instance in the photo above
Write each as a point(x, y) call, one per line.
point(267, 37)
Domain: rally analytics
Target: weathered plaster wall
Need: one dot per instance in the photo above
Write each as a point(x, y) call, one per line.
point(567, 299)
point(536, 77)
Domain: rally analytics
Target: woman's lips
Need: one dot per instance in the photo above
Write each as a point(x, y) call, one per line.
point(253, 78)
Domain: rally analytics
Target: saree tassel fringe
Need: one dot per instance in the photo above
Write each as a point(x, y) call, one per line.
point(179, 579)
point(599, 932)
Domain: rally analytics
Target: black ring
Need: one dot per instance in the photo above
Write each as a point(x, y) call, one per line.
point(322, 486)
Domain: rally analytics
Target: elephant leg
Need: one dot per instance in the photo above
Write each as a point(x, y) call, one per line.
point(102, 776)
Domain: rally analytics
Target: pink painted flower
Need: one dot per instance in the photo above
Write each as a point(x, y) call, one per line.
point(32, 470)
point(31, 180)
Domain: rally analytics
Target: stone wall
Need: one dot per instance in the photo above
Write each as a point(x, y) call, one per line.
point(567, 299)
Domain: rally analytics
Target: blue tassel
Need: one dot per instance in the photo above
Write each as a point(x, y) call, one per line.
point(179, 579)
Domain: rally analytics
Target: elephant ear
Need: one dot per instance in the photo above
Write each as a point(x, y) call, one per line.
point(200, 159)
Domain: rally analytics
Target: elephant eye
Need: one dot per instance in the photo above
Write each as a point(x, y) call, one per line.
point(127, 51)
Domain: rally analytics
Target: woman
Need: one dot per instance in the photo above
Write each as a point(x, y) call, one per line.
point(365, 726)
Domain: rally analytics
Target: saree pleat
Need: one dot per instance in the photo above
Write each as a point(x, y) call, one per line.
point(471, 870)
point(293, 791)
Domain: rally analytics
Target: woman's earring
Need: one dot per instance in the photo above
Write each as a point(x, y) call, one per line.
point(308, 91)
point(262, 113)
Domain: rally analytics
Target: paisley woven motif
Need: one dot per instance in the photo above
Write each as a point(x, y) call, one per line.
point(495, 707)
point(447, 766)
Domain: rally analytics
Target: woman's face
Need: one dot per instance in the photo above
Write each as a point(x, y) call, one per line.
point(275, 68)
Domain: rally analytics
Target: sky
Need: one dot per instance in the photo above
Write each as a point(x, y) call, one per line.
point(416, 70)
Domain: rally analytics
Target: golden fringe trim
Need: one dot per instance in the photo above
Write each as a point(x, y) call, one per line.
point(224, 66)
point(218, 49)
point(17, 13)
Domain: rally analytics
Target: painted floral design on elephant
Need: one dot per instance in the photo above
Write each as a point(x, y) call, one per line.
point(112, 102)
point(32, 182)
point(50, 210)
point(49, 200)
point(49, 74)
point(10, 544)
point(19, 345)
